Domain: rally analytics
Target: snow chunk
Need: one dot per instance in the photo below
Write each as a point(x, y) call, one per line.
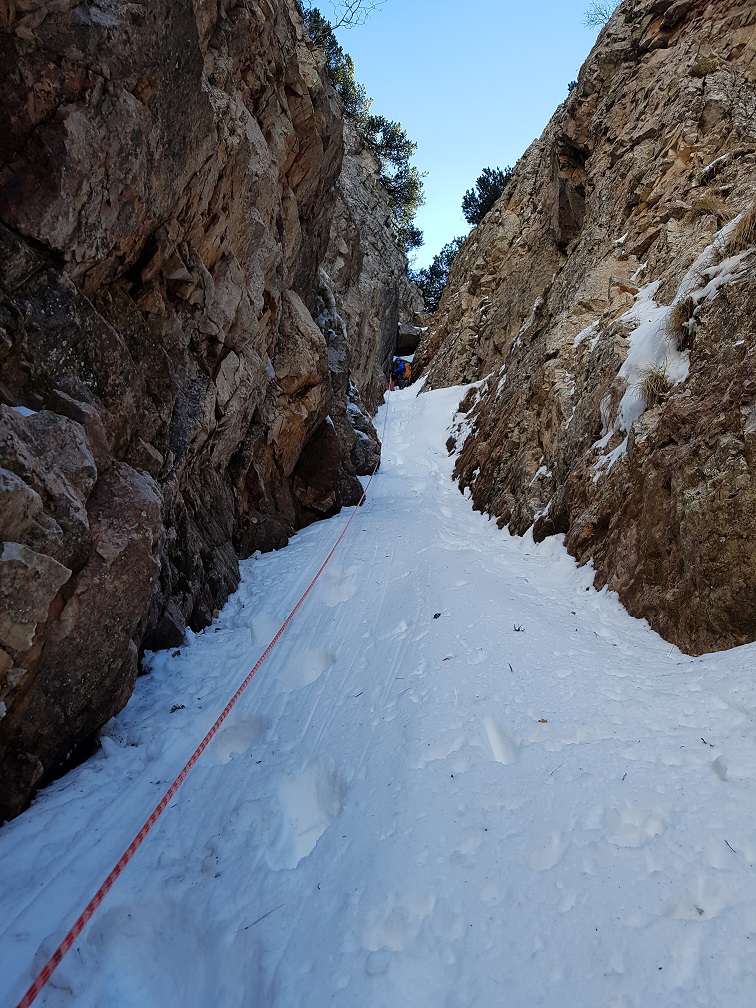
point(641, 269)
point(591, 331)
point(651, 348)
point(541, 471)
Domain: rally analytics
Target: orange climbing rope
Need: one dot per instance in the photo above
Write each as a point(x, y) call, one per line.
point(85, 916)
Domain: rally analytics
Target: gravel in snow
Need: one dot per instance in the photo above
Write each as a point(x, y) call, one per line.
point(463, 779)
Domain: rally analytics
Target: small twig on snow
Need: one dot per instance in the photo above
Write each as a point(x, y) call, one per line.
point(260, 918)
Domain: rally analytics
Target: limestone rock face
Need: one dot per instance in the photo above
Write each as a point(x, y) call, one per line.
point(364, 298)
point(608, 304)
point(367, 272)
point(167, 193)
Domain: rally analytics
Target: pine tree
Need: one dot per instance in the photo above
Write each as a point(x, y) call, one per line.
point(432, 279)
point(488, 188)
point(387, 139)
point(339, 65)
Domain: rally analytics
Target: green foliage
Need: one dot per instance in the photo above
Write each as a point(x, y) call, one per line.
point(321, 33)
point(432, 279)
point(704, 66)
point(488, 188)
point(409, 237)
point(339, 65)
point(387, 140)
point(353, 95)
point(401, 180)
point(405, 189)
point(405, 193)
point(384, 137)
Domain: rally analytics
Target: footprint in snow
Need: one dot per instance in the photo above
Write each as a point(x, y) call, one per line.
point(399, 632)
point(549, 856)
point(304, 667)
point(396, 922)
point(633, 826)
point(235, 738)
point(502, 747)
point(339, 585)
point(309, 802)
point(703, 898)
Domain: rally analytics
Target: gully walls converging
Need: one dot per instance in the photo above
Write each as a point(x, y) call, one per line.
point(608, 306)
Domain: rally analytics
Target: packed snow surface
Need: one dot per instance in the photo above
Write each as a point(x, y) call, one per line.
point(463, 779)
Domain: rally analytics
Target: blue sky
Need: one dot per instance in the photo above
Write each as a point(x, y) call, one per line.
point(473, 82)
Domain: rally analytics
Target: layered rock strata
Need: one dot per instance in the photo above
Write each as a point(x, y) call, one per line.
point(608, 305)
point(167, 196)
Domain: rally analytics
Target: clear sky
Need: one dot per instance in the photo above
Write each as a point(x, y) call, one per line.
point(473, 82)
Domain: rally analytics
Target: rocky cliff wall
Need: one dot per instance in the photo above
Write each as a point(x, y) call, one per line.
point(167, 196)
point(368, 270)
point(608, 302)
point(364, 293)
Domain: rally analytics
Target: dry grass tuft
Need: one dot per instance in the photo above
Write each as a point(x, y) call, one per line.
point(654, 384)
point(678, 322)
point(710, 203)
point(744, 233)
point(704, 66)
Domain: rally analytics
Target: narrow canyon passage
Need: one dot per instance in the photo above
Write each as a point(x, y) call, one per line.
point(463, 778)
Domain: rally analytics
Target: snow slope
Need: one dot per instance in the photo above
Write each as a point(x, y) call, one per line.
point(464, 779)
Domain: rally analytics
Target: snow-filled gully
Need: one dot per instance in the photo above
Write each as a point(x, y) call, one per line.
point(464, 778)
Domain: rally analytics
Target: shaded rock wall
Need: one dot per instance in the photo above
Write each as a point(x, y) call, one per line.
point(167, 192)
point(367, 269)
point(364, 293)
point(608, 260)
